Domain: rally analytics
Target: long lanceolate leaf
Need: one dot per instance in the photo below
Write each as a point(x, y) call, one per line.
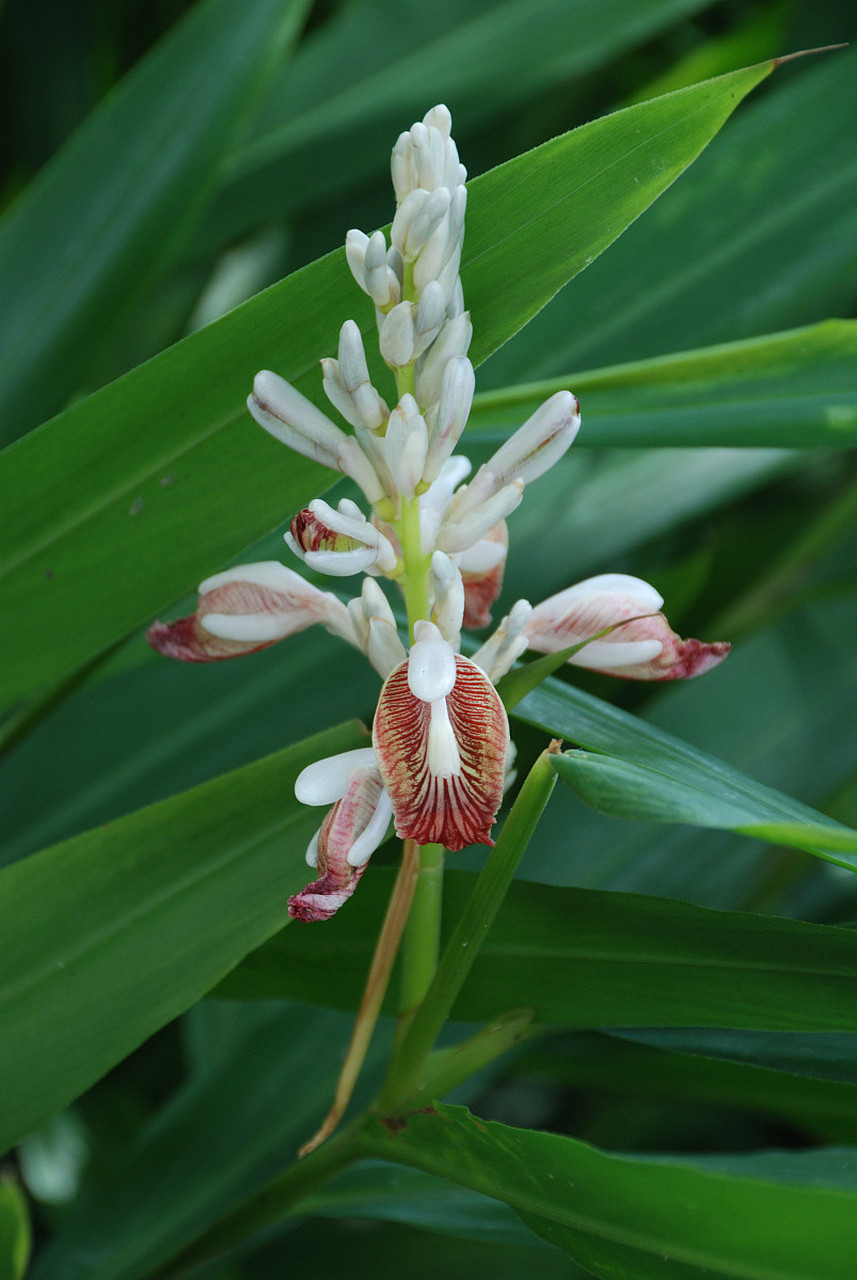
point(89, 228)
point(109, 935)
point(623, 1216)
point(632, 770)
point(159, 472)
point(584, 958)
point(787, 390)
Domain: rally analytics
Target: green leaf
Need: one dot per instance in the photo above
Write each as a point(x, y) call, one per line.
point(374, 1190)
point(793, 390)
point(624, 1216)
point(827, 1056)
point(220, 1138)
point(113, 933)
point(15, 1235)
point(165, 473)
point(577, 955)
point(128, 185)
point(630, 769)
point(360, 78)
point(737, 248)
point(624, 790)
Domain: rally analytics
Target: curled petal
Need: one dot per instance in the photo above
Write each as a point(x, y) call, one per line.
point(245, 609)
point(482, 568)
point(349, 835)
point(645, 648)
point(440, 795)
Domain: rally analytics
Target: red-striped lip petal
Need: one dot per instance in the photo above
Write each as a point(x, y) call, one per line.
point(454, 810)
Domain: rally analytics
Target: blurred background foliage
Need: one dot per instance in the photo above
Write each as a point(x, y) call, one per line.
point(757, 545)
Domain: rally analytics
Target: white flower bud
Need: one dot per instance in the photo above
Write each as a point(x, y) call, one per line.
point(460, 531)
point(502, 649)
point(453, 340)
point(381, 283)
point(448, 417)
point(290, 417)
point(396, 335)
point(430, 315)
point(448, 590)
point(356, 243)
point(405, 444)
point(540, 442)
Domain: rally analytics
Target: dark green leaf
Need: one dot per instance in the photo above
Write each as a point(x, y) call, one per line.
point(624, 1216)
point(582, 958)
point(113, 933)
point(220, 1138)
point(98, 217)
point(779, 250)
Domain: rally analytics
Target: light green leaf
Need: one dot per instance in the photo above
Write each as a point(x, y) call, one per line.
point(113, 933)
point(165, 473)
point(624, 1216)
point(129, 185)
point(629, 769)
point(578, 956)
point(792, 390)
point(624, 790)
point(15, 1235)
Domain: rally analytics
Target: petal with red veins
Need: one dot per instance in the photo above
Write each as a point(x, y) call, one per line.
point(645, 648)
point(242, 610)
point(451, 808)
point(349, 835)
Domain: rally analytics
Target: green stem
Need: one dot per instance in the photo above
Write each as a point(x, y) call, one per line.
point(415, 579)
point(422, 936)
point(411, 1054)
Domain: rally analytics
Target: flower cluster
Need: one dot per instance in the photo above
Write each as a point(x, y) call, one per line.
point(440, 742)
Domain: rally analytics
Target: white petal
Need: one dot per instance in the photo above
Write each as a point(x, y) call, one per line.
point(431, 665)
point(443, 757)
point(373, 833)
point(324, 782)
point(247, 627)
point(602, 655)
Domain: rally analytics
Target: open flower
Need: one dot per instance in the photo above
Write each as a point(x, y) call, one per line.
point(644, 648)
point(350, 833)
point(441, 737)
point(245, 609)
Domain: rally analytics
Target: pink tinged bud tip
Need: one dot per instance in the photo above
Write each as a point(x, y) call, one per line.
point(242, 610)
point(645, 648)
point(442, 759)
point(482, 567)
